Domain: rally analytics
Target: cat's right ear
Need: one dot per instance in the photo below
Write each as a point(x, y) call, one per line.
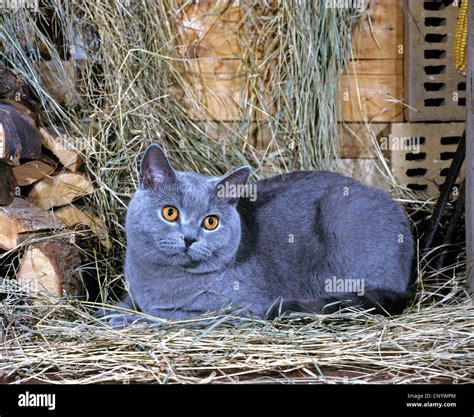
point(231, 186)
point(155, 168)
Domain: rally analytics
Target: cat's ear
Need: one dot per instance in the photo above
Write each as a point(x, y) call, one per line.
point(232, 186)
point(155, 168)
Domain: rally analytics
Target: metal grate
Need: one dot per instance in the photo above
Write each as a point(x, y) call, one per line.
point(424, 169)
point(434, 88)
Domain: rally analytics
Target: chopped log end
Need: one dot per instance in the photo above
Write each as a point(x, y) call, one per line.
point(20, 219)
point(62, 147)
point(32, 171)
point(71, 216)
point(59, 190)
point(51, 268)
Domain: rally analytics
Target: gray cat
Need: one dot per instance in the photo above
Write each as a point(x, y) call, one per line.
point(304, 241)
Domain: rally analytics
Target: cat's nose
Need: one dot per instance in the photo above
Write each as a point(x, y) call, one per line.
point(188, 241)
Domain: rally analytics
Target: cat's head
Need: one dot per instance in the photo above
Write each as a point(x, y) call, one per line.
point(185, 219)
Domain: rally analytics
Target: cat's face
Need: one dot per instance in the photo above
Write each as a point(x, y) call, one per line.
point(181, 219)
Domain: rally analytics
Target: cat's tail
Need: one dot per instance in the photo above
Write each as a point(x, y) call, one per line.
point(384, 302)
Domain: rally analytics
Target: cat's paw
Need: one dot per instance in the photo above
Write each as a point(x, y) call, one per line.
point(120, 321)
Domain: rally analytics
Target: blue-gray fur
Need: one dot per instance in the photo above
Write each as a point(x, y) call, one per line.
point(266, 256)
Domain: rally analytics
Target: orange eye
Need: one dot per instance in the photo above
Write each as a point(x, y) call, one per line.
point(170, 213)
point(210, 222)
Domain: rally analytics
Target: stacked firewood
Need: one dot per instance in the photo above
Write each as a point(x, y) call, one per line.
point(42, 176)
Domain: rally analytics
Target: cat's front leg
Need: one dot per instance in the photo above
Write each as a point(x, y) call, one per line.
point(153, 316)
point(126, 304)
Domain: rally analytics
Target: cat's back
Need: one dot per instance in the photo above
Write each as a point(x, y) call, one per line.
point(283, 212)
point(297, 216)
point(300, 183)
point(298, 191)
point(291, 192)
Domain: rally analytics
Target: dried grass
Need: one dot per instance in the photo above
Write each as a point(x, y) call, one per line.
point(63, 343)
point(126, 105)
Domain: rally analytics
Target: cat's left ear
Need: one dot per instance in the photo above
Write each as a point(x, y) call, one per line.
point(231, 186)
point(155, 168)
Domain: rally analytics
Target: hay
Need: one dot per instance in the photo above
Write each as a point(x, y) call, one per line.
point(63, 343)
point(130, 98)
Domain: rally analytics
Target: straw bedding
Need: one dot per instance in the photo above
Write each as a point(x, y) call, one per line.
point(131, 95)
point(62, 342)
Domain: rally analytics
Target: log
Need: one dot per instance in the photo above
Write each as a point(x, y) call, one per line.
point(22, 108)
point(14, 88)
point(59, 190)
point(19, 136)
point(33, 171)
point(20, 220)
point(71, 216)
point(8, 184)
point(51, 267)
point(63, 148)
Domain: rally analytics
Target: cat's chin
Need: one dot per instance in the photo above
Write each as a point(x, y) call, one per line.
point(199, 267)
point(189, 263)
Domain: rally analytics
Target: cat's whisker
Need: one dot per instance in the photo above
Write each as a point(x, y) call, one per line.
point(145, 254)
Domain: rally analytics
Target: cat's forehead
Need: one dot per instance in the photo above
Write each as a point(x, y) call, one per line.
point(196, 190)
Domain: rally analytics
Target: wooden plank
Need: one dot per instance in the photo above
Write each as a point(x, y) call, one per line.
point(212, 67)
point(215, 99)
point(380, 34)
point(258, 134)
point(376, 67)
point(369, 90)
point(470, 152)
point(218, 89)
point(356, 139)
point(210, 29)
point(222, 99)
point(364, 170)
